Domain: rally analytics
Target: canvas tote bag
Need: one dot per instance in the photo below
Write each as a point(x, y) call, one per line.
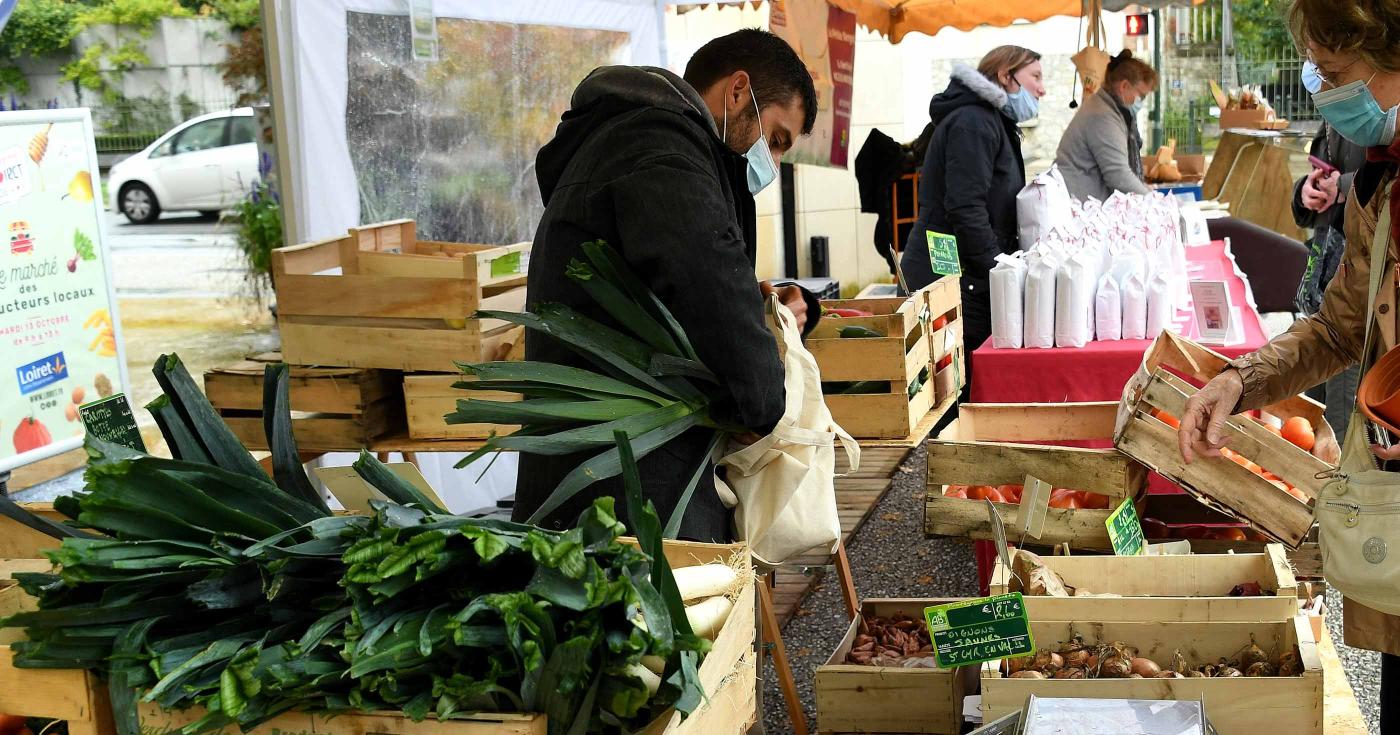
point(783, 486)
point(1358, 512)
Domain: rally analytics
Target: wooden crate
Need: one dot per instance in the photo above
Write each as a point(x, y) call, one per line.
point(18, 541)
point(1219, 481)
point(1199, 584)
point(944, 299)
point(899, 357)
point(332, 408)
point(397, 302)
point(973, 450)
point(1176, 365)
point(1237, 706)
point(428, 398)
point(727, 674)
point(886, 699)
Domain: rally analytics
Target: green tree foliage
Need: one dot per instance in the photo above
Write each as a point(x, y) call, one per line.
point(37, 28)
point(46, 27)
point(1261, 28)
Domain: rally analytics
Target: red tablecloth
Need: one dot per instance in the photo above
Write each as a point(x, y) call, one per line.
point(1099, 370)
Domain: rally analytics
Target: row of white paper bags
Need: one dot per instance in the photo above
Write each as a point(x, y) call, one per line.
point(1050, 298)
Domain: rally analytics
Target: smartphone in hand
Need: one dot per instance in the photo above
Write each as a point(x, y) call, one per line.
point(1326, 168)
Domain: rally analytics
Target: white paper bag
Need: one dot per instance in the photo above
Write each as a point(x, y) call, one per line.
point(1132, 291)
point(1008, 284)
point(1074, 300)
point(1161, 304)
point(1039, 326)
point(1043, 205)
point(1108, 309)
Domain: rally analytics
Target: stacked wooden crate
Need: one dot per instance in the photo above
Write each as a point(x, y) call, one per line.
point(860, 698)
point(1146, 431)
point(1167, 604)
point(912, 365)
point(374, 324)
point(991, 445)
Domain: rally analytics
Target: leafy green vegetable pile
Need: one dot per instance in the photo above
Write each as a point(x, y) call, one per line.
point(213, 586)
point(649, 383)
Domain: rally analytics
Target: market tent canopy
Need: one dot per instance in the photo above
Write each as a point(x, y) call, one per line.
point(895, 18)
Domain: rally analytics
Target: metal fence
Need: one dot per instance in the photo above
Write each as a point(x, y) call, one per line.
point(1280, 81)
point(129, 125)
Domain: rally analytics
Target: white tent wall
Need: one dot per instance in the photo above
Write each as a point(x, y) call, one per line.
point(311, 88)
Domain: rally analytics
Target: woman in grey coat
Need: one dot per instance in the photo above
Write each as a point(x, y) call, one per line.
point(1101, 151)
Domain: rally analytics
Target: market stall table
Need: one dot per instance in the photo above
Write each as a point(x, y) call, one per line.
point(1099, 370)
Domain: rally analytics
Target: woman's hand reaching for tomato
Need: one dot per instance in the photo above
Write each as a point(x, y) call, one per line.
point(1202, 430)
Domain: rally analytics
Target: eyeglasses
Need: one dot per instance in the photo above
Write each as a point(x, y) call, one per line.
point(1331, 78)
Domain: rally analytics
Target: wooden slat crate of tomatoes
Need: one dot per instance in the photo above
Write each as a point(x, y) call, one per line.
point(1284, 694)
point(1263, 478)
point(865, 688)
point(878, 362)
point(989, 450)
point(382, 298)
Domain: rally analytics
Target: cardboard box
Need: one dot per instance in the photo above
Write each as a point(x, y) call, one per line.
point(1250, 119)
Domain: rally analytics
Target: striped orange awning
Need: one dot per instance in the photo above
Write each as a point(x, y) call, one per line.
point(895, 18)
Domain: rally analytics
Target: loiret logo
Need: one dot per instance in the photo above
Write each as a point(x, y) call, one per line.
point(41, 373)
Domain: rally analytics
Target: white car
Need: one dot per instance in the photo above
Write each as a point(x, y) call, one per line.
point(207, 163)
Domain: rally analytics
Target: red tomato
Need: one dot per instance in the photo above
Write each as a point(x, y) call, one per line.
point(1231, 534)
point(1166, 418)
point(940, 323)
point(980, 492)
point(995, 496)
point(956, 491)
point(1155, 529)
point(1298, 431)
point(1012, 493)
point(944, 362)
point(1060, 498)
point(1094, 500)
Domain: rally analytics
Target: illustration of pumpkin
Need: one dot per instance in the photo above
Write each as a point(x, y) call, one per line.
point(30, 435)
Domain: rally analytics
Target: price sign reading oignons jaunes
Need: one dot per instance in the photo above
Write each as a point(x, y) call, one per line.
point(976, 631)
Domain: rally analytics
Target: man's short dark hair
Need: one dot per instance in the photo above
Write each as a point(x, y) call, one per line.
point(775, 70)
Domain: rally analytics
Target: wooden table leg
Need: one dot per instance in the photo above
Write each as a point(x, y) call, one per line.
point(383, 456)
point(411, 458)
point(848, 583)
point(771, 634)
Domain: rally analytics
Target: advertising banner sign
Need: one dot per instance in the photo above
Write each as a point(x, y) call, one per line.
point(60, 340)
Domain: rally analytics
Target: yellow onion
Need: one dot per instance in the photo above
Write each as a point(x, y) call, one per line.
point(1027, 675)
point(1145, 667)
point(1261, 668)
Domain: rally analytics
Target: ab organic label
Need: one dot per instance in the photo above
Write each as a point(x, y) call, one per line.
point(56, 331)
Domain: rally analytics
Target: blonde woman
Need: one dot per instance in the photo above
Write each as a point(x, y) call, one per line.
point(972, 173)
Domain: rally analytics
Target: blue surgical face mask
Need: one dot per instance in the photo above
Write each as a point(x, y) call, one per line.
point(1353, 112)
point(1136, 106)
point(1021, 105)
point(1312, 81)
point(761, 169)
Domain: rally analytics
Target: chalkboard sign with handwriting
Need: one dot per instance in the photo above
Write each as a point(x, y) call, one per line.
point(110, 420)
point(975, 631)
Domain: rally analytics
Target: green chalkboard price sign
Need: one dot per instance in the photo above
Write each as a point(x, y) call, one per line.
point(1125, 530)
point(943, 254)
point(976, 631)
point(110, 420)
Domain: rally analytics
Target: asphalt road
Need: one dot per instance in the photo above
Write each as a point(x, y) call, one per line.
point(181, 255)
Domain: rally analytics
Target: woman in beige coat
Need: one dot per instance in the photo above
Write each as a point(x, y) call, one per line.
point(1354, 46)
